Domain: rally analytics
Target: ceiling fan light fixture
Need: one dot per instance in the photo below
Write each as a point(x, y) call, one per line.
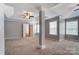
point(26, 15)
point(30, 13)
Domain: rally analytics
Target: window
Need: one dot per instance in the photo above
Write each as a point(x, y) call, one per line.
point(53, 28)
point(72, 27)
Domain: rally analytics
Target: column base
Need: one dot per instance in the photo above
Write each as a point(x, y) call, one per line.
point(41, 47)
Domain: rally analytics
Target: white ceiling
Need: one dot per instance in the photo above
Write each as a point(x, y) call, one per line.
point(64, 9)
point(30, 6)
point(20, 7)
point(51, 9)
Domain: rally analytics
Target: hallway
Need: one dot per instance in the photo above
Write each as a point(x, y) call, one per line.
point(28, 47)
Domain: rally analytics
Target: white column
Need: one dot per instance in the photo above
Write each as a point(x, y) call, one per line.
point(61, 28)
point(2, 45)
point(6, 10)
point(42, 29)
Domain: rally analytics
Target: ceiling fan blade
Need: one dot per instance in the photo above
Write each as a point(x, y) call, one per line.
point(31, 16)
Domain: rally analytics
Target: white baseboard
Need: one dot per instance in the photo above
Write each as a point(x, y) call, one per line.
point(41, 47)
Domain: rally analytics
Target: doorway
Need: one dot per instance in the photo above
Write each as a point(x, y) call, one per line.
point(27, 30)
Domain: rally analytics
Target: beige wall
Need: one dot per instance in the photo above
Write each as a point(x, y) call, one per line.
point(13, 30)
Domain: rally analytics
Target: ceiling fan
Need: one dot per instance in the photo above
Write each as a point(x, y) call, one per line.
point(26, 15)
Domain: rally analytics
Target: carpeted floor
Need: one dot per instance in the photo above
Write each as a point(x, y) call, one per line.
point(28, 46)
